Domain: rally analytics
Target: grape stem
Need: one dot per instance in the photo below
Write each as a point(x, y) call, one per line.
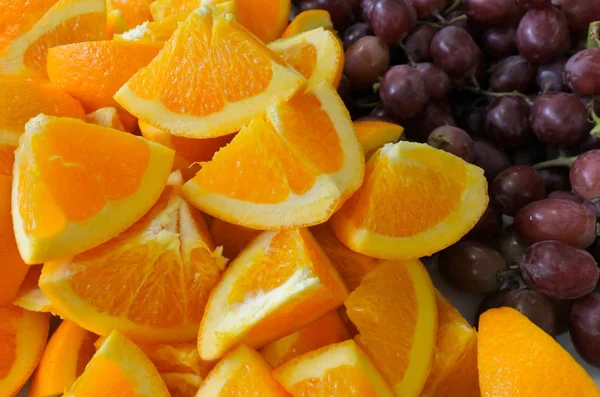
point(453, 6)
point(411, 61)
point(443, 22)
point(476, 90)
point(595, 119)
point(559, 162)
point(593, 40)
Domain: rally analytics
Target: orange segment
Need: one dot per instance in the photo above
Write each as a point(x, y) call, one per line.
point(134, 12)
point(23, 335)
point(374, 134)
point(402, 345)
point(182, 385)
point(119, 368)
point(340, 370)
point(307, 21)
point(233, 238)
point(188, 90)
point(30, 296)
point(69, 350)
point(436, 198)
point(154, 31)
point(281, 282)
point(106, 117)
point(241, 373)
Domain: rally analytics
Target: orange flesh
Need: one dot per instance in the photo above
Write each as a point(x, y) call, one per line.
point(258, 17)
point(19, 17)
point(343, 381)
point(250, 380)
point(7, 158)
point(302, 57)
point(105, 379)
point(134, 11)
point(8, 336)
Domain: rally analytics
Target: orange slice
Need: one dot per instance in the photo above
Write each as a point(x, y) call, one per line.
point(516, 358)
point(340, 370)
point(24, 45)
point(310, 163)
point(115, 23)
point(188, 88)
point(374, 134)
point(23, 335)
point(182, 385)
point(318, 55)
point(307, 21)
point(454, 371)
point(134, 12)
point(394, 309)
point(242, 372)
point(435, 199)
point(70, 196)
point(281, 282)
point(106, 117)
point(154, 31)
point(151, 282)
point(69, 350)
point(119, 368)
point(30, 296)
point(325, 330)
point(233, 238)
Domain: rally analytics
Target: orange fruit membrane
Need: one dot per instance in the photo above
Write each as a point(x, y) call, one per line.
point(23, 335)
point(435, 199)
point(25, 41)
point(30, 296)
point(188, 89)
point(310, 163)
point(340, 370)
point(233, 238)
point(307, 21)
point(317, 55)
point(325, 330)
point(281, 282)
point(68, 351)
point(517, 358)
point(134, 12)
point(119, 368)
point(150, 283)
point(106, 117)
point(454, 370)
point(69, 196)
point(242, 372)
point(374, 134)
point(402, 345)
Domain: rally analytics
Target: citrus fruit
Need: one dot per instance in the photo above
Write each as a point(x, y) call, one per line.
point(153, 31)
point(30, 296)
point(325, 330)
point(188, 89)
point(434, 196)
point(119, 368)
point(279, 283)
point(310, 163)
point(134, 12)
point(35, 26)
point(242, 372)
point(68, 351)
point(374, 134)
point(69, 196)
point(402, 346)
point(151, 282)
point(23, 334)
point(115, 23)
point(454, 370)
point(340, 370)
point(318, 55)
point(307, 21)
point(233, 238)
point(106, 117)
point(517, 358)
point(181, 385)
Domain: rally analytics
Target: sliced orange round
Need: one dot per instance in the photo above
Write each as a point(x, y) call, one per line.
point(318, 55)
point(395, 312)
point(69, 196)
point(150, 283)
point(233, 238)
point(374, 134)
point(340, 370)
point(189, 89)
point(68, 352)
point(24, 45)
point(30, 296)
point(281, 282)
point(106, 117)
point(307, 21)
point(310, 163)
point(24, 335)
point(416, 200)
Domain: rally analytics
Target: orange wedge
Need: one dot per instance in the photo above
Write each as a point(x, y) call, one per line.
point(318, 55)
point(394, 309)
point(182, 385)
point(151, 282)
point(310, 163)
point(188, 89)
point(134, 12)
point(115, 23)
point(325, 330)
point(516, 358)
point(30, 296)
point(154, 31)
point(340, 370)
point(281, 282)
point(242, 372)
point(23, 335)
point(233, 238)
point(69, 350)
point(24, 43)
point(106, 117)
point(374, 134)
point(119, 368)
point(435, 198)
point(307, 21)
point(70, 196)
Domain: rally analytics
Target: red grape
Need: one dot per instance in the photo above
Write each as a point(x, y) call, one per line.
point(366, 61)
point(355, 32)
point(559, 119)
point(580, 13)
point(535, 306)
point(500, 41)
point(584, 325)
point(507, 121)
point(514, 73)
point(535, 3)
point(425, 8)
point(585, 175)
point(550, 76)
point(582, 72)
point(516, 187)
point(542, 34)
point(454, 50)
point(418, 41)
point(488, 226)
point(555, 178)
point(437, 82)
point(391, 20)
point(490, 10)
point(366, 7)
point(403, 92)
point(435, 115)
point(490, 159)
point(452, 140)
point(512, 246)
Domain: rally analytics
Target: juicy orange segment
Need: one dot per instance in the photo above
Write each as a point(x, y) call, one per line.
point(154, 31)
point(24, 335)
point(307, 21)
point(181, 385)
point(134, 12)
point(233, 238)
point(436, 198)
point(69, 196)
point(279, 283)
point(30, 296)
point(374, 134)
point(188, 89)
point(403, 345)
point(340, 370)
point(242, 372)
point(106, 117)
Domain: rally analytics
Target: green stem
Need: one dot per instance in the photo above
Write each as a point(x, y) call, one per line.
point(559, 162)
point(453, 7)
point(593, 40)
point(595, 119)
point(492, 93)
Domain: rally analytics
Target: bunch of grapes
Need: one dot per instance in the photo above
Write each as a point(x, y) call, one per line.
point(512, 86)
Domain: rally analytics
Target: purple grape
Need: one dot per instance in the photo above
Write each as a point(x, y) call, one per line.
point(366, 7)
point(585, 175)
point(555, 179)
point(512, 246)
point(490, 159)
point(391, 20)
point(355, 32)
point(452, 140)
point(487, 11)
point(437, 82)
point(535, 3)
point(535, 306)
point(345, 90)
point(426, 8)
point(454, 50)
point(516, 187)
point(550, 76)
point(542, 34)
point(565, 195)
point(435, 115)
point(582, 72)
point(507, 121)
point(584, 325)
point(366, 61)
point(500, 41)
point(488, 226)
point(580, 13)
point(403, 92)
point(514, 73)
point(559, 119)
point(418, 41)
point(339, 10)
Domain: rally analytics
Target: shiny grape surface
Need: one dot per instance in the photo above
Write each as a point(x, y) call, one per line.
point(512, 246)
point(452, 140)
point(490, 159)
point(507, 131)
point(542, 34)
point(366, 60)
point(391, 20)
point(582, 72)
point(515, 187)
point(437, 82)
point(514, 73)
point(403, 92)
point(559, 119)
point(500, 41)
point(454, 50)
point(585, 175)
